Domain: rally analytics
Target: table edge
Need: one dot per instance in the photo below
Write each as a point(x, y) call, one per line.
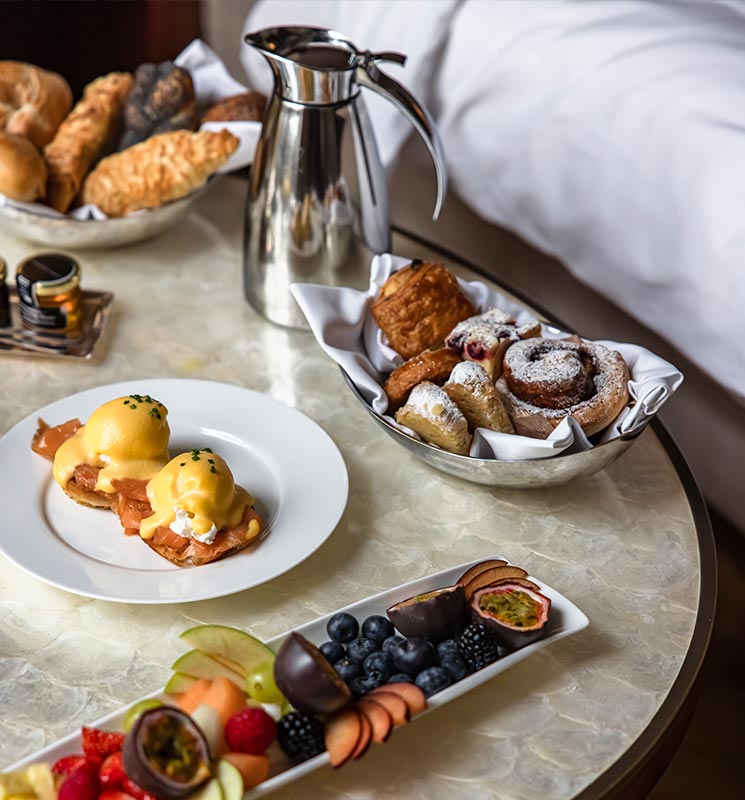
point(635, 772)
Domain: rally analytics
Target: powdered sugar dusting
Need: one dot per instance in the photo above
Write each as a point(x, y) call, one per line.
point(470, 374)
point(429, 400)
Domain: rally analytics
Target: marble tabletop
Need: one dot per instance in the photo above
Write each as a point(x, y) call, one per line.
point(622, 545)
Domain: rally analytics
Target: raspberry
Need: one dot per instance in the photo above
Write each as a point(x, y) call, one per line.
point(251, 731)
point(300, 736)
point(477, 646)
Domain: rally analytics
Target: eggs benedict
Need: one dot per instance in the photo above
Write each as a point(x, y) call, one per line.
point(112, 457)
point(199, 514)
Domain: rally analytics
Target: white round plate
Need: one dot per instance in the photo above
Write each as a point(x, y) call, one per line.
point(290, 465)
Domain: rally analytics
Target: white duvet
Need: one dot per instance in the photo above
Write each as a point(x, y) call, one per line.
point(609, 134)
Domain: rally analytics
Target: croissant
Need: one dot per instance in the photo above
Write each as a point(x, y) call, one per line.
point(159, 170)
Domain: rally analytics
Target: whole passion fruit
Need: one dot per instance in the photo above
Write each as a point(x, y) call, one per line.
point(512, 612)
point(435, 615)
point(166, 753)
point(307, 679)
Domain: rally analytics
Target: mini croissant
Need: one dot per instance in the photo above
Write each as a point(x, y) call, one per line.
point(159, 170)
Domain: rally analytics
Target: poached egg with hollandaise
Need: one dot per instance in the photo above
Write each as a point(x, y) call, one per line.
point(195, 496)
point(125, 439)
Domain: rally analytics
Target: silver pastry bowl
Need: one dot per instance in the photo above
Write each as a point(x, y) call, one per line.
point(76, 234)
point(535, 473)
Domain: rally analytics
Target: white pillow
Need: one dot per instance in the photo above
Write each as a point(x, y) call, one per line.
point(412, 27)
point(612, 135)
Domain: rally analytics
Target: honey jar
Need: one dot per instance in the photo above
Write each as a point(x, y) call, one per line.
point(4, 296)
point(49, 293)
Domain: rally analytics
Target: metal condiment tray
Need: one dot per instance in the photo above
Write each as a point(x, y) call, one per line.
point(20, 340)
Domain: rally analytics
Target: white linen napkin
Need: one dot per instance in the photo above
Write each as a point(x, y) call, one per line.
point(341, 321)
point(212, 81)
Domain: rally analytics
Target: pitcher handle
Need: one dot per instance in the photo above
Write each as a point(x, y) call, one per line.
point(369, 75)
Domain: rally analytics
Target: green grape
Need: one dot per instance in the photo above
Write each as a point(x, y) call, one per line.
point(137, 710)
point(260, 684)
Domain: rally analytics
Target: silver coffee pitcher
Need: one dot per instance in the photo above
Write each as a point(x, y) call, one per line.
point(317, 206)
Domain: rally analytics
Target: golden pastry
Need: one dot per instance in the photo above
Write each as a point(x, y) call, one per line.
point(83, 136)
point(436, 418)
point(431, 365)
point(418, 306)
point(159, 170)
point(476, 396)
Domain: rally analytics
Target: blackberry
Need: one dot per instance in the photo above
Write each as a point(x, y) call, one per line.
point(477, 646)
point(300, 736)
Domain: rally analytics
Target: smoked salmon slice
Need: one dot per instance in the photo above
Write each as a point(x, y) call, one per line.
point(47, 440)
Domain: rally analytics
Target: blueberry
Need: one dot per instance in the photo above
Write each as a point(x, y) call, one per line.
point(348, 670)
point(454, 665)
point(432, 680)
point(391, 642)
point(414, 655)
point(333, 651)
point(447, 646)
point(342, 627)
point(366, 683)
point(400, 677)
point(360, 649)
point(379, 662)
point(377, 628)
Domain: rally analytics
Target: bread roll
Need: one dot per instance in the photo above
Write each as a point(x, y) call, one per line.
point(33, 101)
point(23, 172)
point(83, 136)
point(248, 107)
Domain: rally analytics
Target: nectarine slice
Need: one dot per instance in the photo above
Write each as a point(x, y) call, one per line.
point(379, 716)
point(366, 736)
point(341, 736)
point(393, 703)
point(412, 695)
point(490, 576)
point(192, 697)
point(225, 697)
point(254, 769)
point(482, 566)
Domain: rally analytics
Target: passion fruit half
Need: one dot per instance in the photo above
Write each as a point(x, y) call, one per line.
point(307, 679)
point(515, 614)
point(435, 615)
point(491, 576)
point(166, 753)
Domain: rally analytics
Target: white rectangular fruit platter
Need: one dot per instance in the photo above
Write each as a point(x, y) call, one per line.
point(564, 619)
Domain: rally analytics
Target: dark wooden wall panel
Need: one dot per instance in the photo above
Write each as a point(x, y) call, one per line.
point(84, 39)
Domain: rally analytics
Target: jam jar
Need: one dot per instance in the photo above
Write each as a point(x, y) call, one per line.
point(49, 293)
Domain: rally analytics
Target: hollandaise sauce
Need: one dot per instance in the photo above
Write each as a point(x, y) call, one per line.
point(124, 438)
point(195, 496)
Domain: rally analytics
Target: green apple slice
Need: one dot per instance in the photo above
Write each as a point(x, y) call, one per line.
point(210, 791)
point(230, 645)
point(178, 682)
point(197, 664)
point(230, 779)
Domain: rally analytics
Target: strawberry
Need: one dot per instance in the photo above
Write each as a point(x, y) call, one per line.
point(136, 793)
point(251, 731)
point(98, 744)
point(67, 764)
point(112, 774)
point(82, 784)
point(114, 794)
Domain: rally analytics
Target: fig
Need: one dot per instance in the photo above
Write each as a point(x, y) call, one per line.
point(307, 679)
point(433, 615)
point(166, 753)
point(513, 613)
point(482, 566)
point(491, 576)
